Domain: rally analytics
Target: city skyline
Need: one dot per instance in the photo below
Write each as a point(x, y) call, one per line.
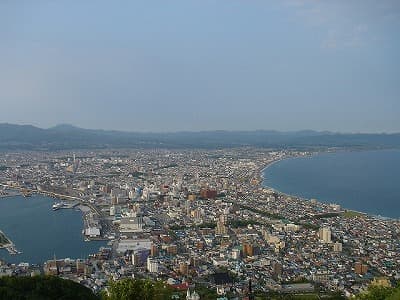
point(191, 66)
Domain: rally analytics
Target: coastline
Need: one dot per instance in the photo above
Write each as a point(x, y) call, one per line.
point(264, 168)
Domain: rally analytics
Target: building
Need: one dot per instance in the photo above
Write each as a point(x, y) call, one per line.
point(132, 224)
point(192, 296)
point(325, 235)
point(133, 245)
point(221, 225)
point(360, 268)
point(154, 250)
point(208, 194)
point(183, 268)
point(248, 249)
point(152, 265)
point(337, 247)
point(277, 269)
point(235, 254)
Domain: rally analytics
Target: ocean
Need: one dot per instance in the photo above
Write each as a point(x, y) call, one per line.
point(41, 233)
point(366, 181)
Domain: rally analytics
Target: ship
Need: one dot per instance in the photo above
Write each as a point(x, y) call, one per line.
point(58, 205)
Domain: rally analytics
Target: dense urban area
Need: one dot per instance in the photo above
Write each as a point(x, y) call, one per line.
point(201, 220)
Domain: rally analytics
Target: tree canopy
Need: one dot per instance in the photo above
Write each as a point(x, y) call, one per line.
point(143, 289)
point(43, 288)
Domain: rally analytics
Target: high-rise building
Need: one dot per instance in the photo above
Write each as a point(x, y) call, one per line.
point(325, 234)
point(152, 265)
point(337, 247)
point(154, 250)
point(360, 268)
point(248, 249)
point(221, 225)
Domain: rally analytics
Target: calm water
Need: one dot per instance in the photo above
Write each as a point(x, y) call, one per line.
point(40, 233)
point(367, 181)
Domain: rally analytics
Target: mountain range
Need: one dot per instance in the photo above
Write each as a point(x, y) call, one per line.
point(28, 137)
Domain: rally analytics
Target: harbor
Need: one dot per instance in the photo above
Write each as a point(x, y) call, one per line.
point(53, 232)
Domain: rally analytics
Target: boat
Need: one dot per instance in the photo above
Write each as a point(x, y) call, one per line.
point(58, 205)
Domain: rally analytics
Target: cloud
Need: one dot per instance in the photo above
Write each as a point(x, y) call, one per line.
point(355, 37)
point(347, 24)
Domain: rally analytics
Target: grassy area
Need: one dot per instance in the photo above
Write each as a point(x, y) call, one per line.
point(352, 214)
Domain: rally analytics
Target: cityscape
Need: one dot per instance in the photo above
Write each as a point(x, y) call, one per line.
point(201, 218)
point(200, 150)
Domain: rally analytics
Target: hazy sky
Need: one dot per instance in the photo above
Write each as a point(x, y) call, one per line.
point(201, 65)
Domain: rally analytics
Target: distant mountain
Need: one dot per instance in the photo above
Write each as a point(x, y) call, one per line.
point(27, 137)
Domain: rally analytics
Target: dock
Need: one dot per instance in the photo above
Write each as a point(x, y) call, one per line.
point(65, 205)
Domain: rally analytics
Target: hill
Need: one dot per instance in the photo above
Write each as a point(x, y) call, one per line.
point(27, 137)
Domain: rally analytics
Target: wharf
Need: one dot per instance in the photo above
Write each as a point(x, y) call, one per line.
point(65, 205)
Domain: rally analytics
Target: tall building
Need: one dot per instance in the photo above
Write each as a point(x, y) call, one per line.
point(152, 265)
point(154, 250)
point(337, 247)
point(248, 249)
point(221, 225)
point(360, 268)
point(325, 234)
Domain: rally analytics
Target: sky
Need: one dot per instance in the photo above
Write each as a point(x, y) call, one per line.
point(201, 65)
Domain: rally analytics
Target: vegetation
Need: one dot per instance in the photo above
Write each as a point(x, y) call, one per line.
point(52, 287)
point(380, 293)
point(322, 216)
point(243, 223)
point(308, 296)
point(143, 289)
point(310, 226)
point(352, 214)
point(208, 225)
point(261, 212)
point(3, 239)
point(43, 288)
point(177, 227)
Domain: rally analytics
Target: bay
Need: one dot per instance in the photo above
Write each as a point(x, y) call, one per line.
point(367, 181)
point(40, 233)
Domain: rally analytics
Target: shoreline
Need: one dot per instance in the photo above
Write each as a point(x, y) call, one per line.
point(10, 246)
point(264, 168)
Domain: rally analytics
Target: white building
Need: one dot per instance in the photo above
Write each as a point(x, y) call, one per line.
point(152, 265)
point(92, 231)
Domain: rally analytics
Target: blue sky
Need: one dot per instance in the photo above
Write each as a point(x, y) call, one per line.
point(201, 65)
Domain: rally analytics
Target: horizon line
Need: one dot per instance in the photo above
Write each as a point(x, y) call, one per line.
point(204, 130)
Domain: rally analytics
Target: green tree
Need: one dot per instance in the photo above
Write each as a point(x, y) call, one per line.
point(143, 289)
point(43, 288)
point(378, 293)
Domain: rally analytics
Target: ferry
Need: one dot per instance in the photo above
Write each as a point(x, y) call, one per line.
point(58, 205)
